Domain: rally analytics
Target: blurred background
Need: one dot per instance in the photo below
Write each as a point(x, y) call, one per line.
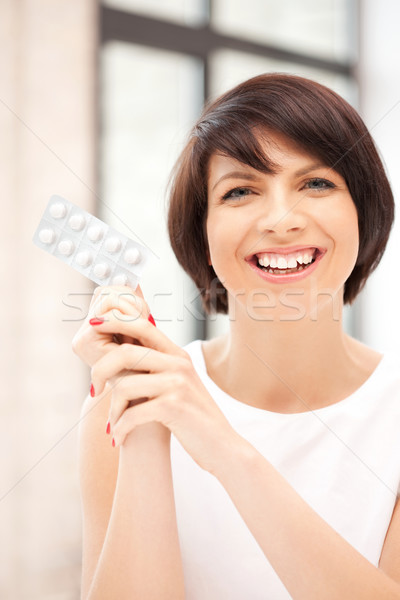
point(96, 100)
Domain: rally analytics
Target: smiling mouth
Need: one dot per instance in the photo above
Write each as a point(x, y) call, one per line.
point(276, 264)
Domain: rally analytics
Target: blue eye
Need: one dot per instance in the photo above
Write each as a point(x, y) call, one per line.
point(239, 192)
point(319, 184)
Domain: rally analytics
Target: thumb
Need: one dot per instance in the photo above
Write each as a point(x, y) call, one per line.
point(141, 302)
point(138, 292)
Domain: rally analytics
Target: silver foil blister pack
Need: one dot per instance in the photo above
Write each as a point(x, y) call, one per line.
point(87, 244)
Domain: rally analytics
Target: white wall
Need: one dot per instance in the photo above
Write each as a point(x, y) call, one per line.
point(47, 145)
point(379, 71)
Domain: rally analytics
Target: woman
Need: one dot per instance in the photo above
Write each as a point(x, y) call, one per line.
point(281, 476)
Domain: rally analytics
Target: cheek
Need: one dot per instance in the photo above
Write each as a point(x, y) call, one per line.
point(223, 240)
point(218, 240)
point(349, 226)
point(344, 228)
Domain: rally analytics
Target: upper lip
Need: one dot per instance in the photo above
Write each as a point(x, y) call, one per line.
point(283, 250)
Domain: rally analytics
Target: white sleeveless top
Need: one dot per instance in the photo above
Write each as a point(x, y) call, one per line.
point(344, 460)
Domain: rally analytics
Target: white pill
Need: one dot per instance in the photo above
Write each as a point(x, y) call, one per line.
point(66, 247)
point(58, 210)
point(95, 233)
point(132, 256)
point(120, 279)
point(101, 270)
point(77, 222)
point(113, 244)
point(84, 258)
point(47, 236)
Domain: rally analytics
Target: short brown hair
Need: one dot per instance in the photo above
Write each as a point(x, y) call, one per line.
point(315, 118)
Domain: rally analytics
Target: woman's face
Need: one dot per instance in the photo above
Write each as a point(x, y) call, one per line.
point(290, 233)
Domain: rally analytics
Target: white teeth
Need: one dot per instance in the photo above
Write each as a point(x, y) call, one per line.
point(282, 263)
point(304, 259)
point(289, 261)
point(264, 261)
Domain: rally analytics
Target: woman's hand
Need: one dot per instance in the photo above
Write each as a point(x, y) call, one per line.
point(127, 496)
point(156, 382)
point(91, 344)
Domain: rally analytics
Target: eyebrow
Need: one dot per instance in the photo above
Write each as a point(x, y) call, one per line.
point(252, 177)
point(312, 167)
point(237, 175)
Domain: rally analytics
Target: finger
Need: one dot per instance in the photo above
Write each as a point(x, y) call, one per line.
point(132, 358)
point(139, 329)
point(107, 297)
point(127, 357)
point(130, 390)
point(148, 412)
point(91, 346)
point(103, 290)
point(129, 314)
point(138, 292)
point(125, 302)
point(106, 289)
point(121, 292)
point(147, 314)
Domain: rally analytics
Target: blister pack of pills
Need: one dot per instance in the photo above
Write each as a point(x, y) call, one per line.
point(96, 250)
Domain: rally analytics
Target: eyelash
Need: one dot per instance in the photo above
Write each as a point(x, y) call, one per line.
point(231, 193)
point(326, 185)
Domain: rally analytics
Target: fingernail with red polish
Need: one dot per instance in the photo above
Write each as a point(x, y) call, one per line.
point(113, 443)
point(92, 392)
point(152, 321)
point(96, 321)
point(108, 427)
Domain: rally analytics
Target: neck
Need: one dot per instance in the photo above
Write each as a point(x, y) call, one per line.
point(284, 365)
point(304, 341)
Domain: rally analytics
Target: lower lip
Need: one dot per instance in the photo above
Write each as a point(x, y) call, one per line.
point(291, 276)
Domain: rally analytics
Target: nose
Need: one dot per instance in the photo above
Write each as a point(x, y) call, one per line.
point(282, 216)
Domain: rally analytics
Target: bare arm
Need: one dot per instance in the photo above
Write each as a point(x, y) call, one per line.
point(312, 560)
point(130, 540)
